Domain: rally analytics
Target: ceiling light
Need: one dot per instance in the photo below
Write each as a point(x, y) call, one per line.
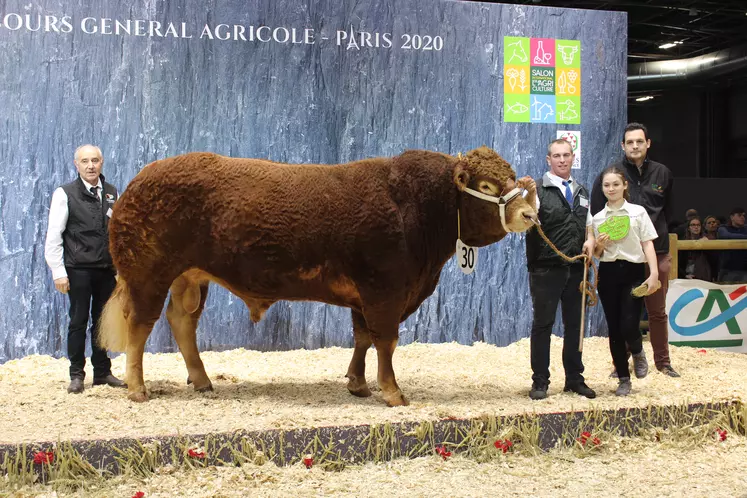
point(667, 45)
point(644, 98)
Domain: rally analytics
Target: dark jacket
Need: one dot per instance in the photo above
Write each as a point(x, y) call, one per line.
point(702, 267)
point(734, 260)
point(652, 189)
point(566, 228)
point(85, 241)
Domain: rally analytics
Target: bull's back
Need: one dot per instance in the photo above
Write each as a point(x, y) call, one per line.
point(239, 209)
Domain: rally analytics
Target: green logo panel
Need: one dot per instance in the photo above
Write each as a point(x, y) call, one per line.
point(568, 110)
point(567, 53)
point(515, 108)
point(515, 51)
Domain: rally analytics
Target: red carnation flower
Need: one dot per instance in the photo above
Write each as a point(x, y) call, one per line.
point(41, 457)
point(596, 441)
point(197, 454)
point(308, 461)
point(503, 445)
point(721, 434)
point(443, 452)
point(702, 351)
point(139, 494)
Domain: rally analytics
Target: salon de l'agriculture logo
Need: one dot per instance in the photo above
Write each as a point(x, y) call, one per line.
point(541, 80)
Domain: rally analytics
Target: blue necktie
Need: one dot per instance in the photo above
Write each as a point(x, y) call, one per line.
point(568, 193)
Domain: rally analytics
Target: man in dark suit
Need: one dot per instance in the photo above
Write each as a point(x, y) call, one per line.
point(77, 252)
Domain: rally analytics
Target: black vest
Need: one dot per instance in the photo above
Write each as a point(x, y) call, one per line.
point(85, 241)
point(566, 228)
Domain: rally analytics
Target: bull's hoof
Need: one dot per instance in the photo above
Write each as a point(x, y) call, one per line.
point(138, 397)
point(189, 381)
point(206, 389)
point(395, 399)
point(358, 387)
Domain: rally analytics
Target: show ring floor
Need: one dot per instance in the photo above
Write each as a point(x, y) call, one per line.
point(284, 406)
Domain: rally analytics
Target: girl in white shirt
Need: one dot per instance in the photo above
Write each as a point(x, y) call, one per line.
point(624, 234)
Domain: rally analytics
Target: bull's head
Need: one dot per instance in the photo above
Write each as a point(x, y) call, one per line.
point(490, 204)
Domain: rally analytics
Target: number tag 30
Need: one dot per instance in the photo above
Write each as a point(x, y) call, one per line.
point(466, 257)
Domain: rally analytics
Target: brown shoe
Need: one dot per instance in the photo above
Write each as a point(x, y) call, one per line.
point(76, 386)
point(109, 380)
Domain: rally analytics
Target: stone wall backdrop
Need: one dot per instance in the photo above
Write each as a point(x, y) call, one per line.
point(296, 90)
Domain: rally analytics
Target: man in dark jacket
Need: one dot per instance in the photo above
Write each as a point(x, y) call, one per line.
point(77, 252)
point(563, 210)
point(734, 262)
point(650, 185)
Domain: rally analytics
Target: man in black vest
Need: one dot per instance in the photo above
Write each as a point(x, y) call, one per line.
point(649, 185)
point(77, 252)
point(563, 209)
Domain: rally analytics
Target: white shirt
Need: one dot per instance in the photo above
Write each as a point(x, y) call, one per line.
point(58, 213)
point(641, 230)
point(558, 182)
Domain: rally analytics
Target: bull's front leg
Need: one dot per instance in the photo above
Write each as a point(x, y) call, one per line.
point(357, 370)
point(389, 389)
point(383, 323)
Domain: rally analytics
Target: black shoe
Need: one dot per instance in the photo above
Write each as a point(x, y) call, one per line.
point(76, 386)
point(668, 370)
point(539, 390)
point(109, 380)
point(580, 388)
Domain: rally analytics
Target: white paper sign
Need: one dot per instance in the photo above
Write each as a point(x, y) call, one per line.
point(466, 257)
point(707, 315)
point(574, 137)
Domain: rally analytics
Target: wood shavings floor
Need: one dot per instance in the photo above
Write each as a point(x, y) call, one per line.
point(293, 389)
point(625, 468)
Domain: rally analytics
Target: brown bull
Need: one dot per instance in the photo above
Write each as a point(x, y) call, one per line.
point(371, 235)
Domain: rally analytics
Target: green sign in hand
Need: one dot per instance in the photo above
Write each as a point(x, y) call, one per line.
point(617, 227)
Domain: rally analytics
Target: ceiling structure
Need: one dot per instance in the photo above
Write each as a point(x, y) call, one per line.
point(693, 28)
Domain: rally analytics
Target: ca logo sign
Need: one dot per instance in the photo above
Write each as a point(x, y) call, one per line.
point(703, 323)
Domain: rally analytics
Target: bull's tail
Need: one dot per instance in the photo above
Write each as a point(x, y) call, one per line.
point(113, 328)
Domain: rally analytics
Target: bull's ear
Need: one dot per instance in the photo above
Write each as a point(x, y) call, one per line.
point(461, 177)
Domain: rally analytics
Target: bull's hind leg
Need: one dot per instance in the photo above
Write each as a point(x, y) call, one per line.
point(137, 335)
point(357, 370)
point(139, 309)
point(185, 307)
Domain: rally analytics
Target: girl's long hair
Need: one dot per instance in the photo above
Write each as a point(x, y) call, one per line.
point(614, 170)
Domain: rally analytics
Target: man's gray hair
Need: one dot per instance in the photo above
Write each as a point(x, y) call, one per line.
point(87, 145)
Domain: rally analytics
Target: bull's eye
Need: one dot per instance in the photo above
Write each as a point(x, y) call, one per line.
point(487, 188)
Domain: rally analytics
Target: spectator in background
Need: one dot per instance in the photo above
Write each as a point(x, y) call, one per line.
point(710, 227)
point(733, 262)
point(694, 264)
point(683, 228)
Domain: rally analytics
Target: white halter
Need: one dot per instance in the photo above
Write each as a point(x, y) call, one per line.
point(502, 201)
